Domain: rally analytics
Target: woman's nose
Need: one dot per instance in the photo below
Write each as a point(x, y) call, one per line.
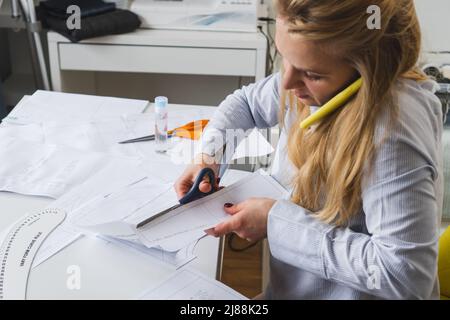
point(291, 79)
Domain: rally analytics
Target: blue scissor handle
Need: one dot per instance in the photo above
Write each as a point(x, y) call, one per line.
point(195, 192)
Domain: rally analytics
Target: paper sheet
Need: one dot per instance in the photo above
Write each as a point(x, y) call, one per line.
point(112, 216)
point(117, 214)
point(115, 174)
point(187, 284)
point(121, 204)
point(165, 171)
point(101, 135)
point(207, 212)
point(44, 170)
point(177, 258)
point(47, 106)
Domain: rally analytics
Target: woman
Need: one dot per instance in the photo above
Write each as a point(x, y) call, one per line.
point(366, 181)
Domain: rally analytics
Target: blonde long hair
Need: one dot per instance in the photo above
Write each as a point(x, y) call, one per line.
point(332, 158)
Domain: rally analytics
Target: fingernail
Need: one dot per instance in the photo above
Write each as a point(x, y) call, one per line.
point(228, 205)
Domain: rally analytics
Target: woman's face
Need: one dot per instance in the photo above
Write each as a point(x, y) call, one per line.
point(313, 75)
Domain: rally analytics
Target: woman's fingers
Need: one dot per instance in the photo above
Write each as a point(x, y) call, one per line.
point(205, 186)
point(248, 219)
point(184, 184)
point(181, 189)
point(231, 208)
point(226, 227)
point(186, 181)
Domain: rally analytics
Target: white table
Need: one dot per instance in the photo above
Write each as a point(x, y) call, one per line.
point(107, 270)
point(160, 51)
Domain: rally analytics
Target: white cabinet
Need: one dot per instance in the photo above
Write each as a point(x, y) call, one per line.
point(161, 51)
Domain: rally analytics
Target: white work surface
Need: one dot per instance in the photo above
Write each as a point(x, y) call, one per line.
point(107, 270)
point(161, 51)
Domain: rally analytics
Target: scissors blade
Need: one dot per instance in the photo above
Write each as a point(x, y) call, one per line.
point(150, 219)
point(146, 138)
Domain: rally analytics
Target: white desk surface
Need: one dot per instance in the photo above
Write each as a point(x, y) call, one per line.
point(107, 270)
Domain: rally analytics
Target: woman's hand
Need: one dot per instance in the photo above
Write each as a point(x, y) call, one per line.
point(248, 221)
point(186, 180)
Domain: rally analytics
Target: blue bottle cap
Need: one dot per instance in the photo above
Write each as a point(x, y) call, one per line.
point(161, 102)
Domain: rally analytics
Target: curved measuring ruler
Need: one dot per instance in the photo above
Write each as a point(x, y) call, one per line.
point(19, 248)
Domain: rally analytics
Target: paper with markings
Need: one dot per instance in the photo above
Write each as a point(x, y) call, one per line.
point(187, 284)
point(45, 170)
point(102, 134)
point(99, 135)
point(48, 106)
point(117, 214)
point(172, 231)
point(115, 174)
point(176, 258)
point(207, 212)
point(121, 204)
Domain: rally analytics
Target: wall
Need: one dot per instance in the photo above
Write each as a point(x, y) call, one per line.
point(434, 16)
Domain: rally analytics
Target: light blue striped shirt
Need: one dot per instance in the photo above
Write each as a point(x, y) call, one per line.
point(389, 249)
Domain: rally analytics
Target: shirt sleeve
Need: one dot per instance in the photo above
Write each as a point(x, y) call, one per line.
point(255, 105)
point(396, 257)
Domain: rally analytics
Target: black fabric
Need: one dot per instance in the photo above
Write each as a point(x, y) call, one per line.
point(88, 8)
point(113, 22)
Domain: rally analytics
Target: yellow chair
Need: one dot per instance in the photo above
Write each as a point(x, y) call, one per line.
point(444, 264)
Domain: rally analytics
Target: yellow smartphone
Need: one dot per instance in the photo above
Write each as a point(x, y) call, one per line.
point(340, 99)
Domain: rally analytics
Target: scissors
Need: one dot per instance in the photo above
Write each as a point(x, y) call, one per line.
point(193, 194)
point(190, 130)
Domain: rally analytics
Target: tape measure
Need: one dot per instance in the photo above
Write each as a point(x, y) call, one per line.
point(19, 248)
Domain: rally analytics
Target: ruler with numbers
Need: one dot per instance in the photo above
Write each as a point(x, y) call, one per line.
point(19, 247)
